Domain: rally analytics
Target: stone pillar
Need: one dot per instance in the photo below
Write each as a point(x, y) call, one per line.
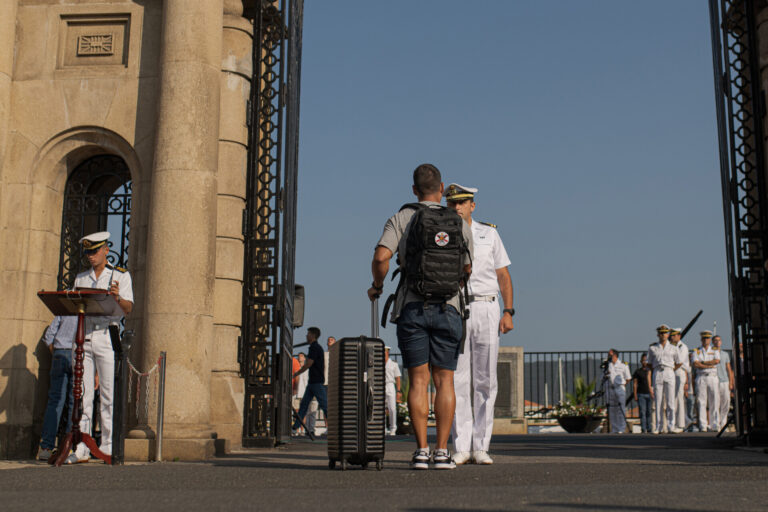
point(181, 237)
point(7, 45)
point(509, 410)
point(226, 386)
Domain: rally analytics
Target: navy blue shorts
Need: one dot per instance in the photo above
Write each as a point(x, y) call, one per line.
point(430, 334)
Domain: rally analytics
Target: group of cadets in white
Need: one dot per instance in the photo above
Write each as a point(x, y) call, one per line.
point(674, 366)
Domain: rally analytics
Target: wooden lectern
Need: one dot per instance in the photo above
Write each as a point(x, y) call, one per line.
point(81, 303)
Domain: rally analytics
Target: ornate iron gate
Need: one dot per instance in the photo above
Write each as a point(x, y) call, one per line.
point(97, 198)
point(740, 104)
point(269, 224)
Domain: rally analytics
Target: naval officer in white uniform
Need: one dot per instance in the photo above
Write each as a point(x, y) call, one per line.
point(664, 358)
point(705, 360)
point(476, 368)
point(681, 377)
point(98, 346)
point(392, 388)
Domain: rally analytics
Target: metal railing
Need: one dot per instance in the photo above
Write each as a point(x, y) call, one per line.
point(550, 375)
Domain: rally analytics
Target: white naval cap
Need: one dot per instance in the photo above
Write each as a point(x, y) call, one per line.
point(94, 240)
point(456, 192)
point(675, 330)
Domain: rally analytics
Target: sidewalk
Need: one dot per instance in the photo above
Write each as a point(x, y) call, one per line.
point(548, 472)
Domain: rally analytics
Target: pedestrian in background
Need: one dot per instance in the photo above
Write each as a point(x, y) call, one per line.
point(641, 392)
point(618, 377)
point(59, 338)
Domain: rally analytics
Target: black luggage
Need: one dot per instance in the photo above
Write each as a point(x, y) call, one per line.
point(356, 380)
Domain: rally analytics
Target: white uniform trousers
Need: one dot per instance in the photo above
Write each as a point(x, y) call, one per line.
point(706, 398)
point(391, 395)
point(476, 370)
point(663, 398)
point(98, 354)
point(724, 403)
point(618, 410)
point(680, 380)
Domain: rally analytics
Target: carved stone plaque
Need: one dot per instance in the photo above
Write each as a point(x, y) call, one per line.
point(94, 40)
point(96, 44)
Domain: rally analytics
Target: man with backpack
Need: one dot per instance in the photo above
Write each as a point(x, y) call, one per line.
point(434, 247)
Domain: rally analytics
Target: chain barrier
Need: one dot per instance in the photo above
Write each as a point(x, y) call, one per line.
point(151, 381)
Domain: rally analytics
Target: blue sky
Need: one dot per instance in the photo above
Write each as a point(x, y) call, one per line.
point(588, 126)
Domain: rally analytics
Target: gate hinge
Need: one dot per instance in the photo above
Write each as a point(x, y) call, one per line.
point(248, 113)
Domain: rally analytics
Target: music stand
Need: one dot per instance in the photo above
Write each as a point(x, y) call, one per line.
point(81, 303)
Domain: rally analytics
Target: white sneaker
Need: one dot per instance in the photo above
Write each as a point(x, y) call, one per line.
point(74, 459)
point(462, 458)
point(481, 457)
point(675, 431)
point(442, 460)
point(392, 432)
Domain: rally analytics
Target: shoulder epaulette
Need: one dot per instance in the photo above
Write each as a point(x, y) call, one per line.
point(488, 224)
point(115, 267)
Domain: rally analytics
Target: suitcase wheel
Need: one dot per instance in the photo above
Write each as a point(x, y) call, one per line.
point(331, 464)
point(379, 465)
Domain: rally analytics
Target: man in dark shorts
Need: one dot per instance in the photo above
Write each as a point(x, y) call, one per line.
point(428, 334)
point(315, 363)
point(641, 392)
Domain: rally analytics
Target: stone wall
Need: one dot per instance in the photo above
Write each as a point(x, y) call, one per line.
point(83, 81)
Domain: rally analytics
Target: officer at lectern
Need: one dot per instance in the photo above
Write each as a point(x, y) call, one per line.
point(98, 348)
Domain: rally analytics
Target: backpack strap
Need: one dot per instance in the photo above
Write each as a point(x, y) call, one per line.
point(414, 206)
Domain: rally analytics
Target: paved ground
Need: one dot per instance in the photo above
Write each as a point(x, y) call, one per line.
point(547, 472)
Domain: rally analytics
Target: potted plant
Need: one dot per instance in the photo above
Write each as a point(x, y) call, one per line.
point(576, 414)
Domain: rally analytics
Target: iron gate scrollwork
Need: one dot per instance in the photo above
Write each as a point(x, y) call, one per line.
point(97, 197)
point(269, 223)
point(740, 103)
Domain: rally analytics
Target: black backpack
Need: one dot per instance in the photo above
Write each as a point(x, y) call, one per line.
point(433, 265)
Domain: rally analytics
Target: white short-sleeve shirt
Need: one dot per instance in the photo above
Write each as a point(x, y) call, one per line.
point(489, 256)
point(392, 370)
point(88, 279)
point(702, 355)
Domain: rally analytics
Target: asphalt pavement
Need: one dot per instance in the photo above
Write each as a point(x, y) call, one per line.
point(546, 472)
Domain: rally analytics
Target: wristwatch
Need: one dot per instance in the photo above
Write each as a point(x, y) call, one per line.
point(511, 311)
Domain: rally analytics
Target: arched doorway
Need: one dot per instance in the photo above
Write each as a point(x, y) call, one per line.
point(97, 197)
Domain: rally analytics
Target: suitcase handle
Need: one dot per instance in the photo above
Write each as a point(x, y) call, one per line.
point(374, 317)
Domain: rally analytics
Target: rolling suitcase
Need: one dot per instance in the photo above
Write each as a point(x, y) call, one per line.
point(356, 405)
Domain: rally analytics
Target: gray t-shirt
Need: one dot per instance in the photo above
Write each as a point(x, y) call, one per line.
point(722, 371)
point(394, 237)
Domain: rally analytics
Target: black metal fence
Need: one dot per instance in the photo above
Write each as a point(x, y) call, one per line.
point(550, 375)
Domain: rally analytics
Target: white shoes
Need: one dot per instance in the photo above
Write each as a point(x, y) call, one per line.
point(462, 458)
point(481, 457)
point(675, 431)
point(79, 456)
point(75, 459)
point(392, 432)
